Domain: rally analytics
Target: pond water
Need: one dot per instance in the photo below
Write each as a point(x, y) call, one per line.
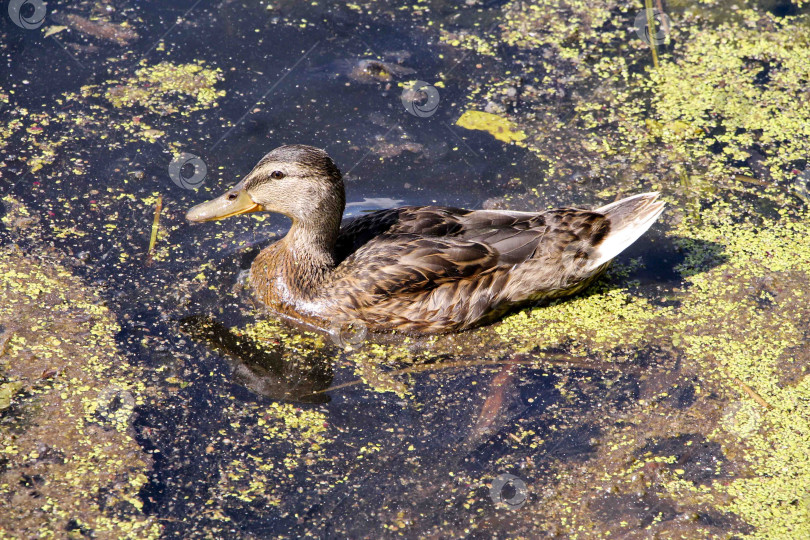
point(251, 427)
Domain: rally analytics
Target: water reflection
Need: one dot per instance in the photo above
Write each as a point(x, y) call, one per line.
point(263, 367)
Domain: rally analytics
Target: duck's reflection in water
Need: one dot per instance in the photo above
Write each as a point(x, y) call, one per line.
point(264, 368)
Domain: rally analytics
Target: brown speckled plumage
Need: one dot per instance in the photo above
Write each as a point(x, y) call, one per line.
point(421, 269)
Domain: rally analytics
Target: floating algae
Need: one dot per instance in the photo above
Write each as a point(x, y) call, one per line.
point(724, 102)
point(70, 461)
point(166, 88)
point(137, 101)
point(501, 128)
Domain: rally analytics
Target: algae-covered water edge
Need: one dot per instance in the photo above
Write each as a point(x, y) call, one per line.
point(144, 394)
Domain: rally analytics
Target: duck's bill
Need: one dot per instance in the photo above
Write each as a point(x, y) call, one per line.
point(231, 203)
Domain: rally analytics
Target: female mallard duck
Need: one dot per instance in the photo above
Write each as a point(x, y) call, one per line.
point(416, 268)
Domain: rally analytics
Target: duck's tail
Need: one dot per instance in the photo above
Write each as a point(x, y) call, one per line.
point(629, 219)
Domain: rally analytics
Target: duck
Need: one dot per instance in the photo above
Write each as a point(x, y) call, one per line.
point(415, 269)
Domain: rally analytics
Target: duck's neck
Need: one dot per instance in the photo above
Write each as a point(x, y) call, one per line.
point(296, 268)
point(312, 247)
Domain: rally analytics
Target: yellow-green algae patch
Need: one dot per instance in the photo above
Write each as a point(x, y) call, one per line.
point(728, 97)
point(597, 322)
point(165, 88)
point(161, 89)
point(71, 463)
point(373, 363)
point(270, 332)
point(298, 437)
point(501, 128)
point(775, 500)
point(739, 86)
point(722, 125)
point(746, 321)
point(467, 40)
point(739, 327)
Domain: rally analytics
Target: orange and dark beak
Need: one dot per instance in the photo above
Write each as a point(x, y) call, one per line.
point(231, 203)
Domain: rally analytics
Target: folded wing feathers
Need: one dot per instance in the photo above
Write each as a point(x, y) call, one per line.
point(420, 248)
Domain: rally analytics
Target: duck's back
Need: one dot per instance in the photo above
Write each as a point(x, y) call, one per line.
point(438, 269)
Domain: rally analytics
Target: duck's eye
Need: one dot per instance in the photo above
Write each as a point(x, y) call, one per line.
point(276, 175)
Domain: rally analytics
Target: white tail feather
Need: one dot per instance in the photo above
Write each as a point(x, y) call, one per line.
point(629, 219)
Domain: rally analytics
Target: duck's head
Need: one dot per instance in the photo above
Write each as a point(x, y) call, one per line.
point(299, 181)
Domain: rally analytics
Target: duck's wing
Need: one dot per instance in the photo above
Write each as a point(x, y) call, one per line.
point(439, 269)
point(404, 263)
point(513, 237)
point(418, 248)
